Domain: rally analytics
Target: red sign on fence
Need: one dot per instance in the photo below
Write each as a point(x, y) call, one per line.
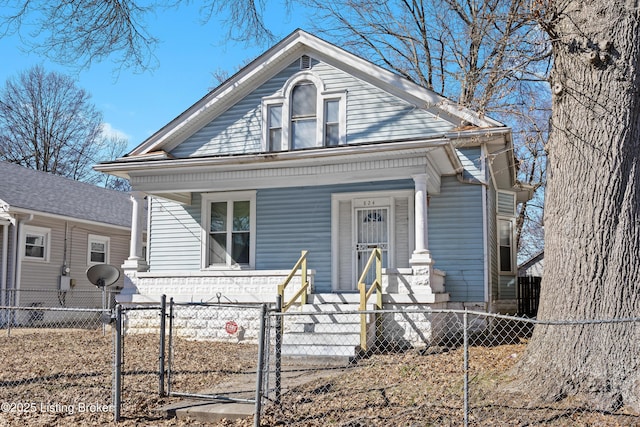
point(231, 327)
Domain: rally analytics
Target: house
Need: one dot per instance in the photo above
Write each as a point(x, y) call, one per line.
point(532, 267)
point(52, 229)
point(311, 148)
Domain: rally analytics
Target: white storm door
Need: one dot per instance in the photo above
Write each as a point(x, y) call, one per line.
point(372, 230)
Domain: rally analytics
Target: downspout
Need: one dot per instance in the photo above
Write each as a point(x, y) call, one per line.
point(19, 251)
point(485, 233)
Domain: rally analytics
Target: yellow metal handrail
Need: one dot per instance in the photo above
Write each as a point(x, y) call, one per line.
point(376, 286)
point(302, 293)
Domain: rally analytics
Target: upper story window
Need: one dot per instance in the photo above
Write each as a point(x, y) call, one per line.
point(229, 227)
point(304, 115)
point(37, 242)
point(274, 135)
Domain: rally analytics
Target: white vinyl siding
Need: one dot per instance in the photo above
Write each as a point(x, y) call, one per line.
point(43, 278)
point(98, 249)
point(456, 240)
point(175, 235)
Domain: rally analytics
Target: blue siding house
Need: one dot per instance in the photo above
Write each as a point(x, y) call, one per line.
point(311, 148)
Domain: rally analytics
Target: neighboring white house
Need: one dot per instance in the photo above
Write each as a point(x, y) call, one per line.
point(310, 147)
point(52, 229)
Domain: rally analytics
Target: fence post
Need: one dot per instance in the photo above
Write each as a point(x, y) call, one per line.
point(163, 315)
point(465, 334)
point(117, 362)
point(261, 359)
point(278, 350)
point(170, 360)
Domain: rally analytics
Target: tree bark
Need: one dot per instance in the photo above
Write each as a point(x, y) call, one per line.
point(592, 221)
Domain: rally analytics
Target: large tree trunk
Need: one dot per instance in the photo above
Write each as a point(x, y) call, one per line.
point(592, 222)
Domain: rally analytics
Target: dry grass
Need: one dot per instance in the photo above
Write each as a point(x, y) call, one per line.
point(48, 375)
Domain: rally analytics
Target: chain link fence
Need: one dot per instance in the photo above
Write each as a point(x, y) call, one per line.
point(56, 360)
point(413, 367)
point(309, 366)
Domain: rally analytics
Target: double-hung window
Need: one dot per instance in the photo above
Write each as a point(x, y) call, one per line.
point(506, 209)
point(37, 241)
point(229, 226)
point(98, 250)
point(303, 116)
point(505, 245)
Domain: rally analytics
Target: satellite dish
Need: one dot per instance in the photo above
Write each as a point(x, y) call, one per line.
point(103, 275)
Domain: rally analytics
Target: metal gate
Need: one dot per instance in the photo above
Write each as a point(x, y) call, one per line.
point(225, 344)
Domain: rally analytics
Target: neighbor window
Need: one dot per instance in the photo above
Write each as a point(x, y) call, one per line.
point(37, 243)
point(98, 250)
point(229, 229)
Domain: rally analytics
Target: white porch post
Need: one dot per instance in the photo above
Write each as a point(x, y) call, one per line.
point(421, 253)
point(135, 262)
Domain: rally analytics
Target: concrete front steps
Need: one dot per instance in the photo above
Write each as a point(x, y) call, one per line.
point(327, 326)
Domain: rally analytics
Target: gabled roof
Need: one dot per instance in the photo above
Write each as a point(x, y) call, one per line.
point(276, 59)
point(30, 191)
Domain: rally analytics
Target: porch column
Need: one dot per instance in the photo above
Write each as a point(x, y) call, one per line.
point(135, 262)
point(421, 252)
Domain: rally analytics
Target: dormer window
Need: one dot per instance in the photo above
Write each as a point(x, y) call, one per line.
point(304, 115)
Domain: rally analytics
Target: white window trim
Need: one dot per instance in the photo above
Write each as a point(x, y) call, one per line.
point(514, 267)
point(233, 196)
point(284, 97)
point(98, 239)
point(39, 231)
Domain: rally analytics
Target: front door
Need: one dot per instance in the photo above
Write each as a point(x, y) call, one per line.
point(371, 231)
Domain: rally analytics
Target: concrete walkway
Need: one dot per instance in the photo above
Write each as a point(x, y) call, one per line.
point(296, 371)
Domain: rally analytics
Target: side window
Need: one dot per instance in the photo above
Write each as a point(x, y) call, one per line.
point(332, 122)
point(98, 250)
point(37, 242)
point(274, 136)
point(505, 245)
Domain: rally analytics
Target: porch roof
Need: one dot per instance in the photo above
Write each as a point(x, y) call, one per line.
point(177, 178)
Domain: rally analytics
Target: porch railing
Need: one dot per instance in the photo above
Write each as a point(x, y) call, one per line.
point(302, 293)
point(374, 259)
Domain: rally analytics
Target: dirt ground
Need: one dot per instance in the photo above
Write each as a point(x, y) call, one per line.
point(64, 377)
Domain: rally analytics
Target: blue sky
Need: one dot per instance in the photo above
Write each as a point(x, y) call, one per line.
point(137, 105)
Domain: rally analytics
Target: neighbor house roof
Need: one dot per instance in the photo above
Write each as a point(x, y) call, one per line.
point(30, 191)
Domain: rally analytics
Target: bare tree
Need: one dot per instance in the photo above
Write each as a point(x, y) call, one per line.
point(487, 55)
point(49, 124)
point(80, 33)
point(111, 147)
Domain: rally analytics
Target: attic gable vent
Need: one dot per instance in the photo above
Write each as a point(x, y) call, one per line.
point(305, 62)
